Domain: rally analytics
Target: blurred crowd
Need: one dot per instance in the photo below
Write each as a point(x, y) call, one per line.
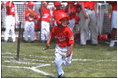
point(86, 20)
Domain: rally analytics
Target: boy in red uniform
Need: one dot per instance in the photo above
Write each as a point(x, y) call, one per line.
point(10, 21)
point(65, 41)
point(30, 17)
point(71, 11)
point(57, 5)
point(45, 23)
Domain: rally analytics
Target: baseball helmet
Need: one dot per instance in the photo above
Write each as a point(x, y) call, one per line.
point(60, 16)
point(30, 3)
point(57, 3)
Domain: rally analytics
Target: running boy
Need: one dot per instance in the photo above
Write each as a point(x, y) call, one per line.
point(65, 41)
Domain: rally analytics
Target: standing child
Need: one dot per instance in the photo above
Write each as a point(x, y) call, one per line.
point(30, 17)
point(10, 21)
point(71, 11)
point(45, 22)
point(58, 8)
point(65, 41)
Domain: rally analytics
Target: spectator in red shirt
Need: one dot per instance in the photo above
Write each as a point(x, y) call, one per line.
point(65, 41)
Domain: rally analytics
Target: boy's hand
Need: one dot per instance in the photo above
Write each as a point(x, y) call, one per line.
point(70, 50)
point(47, 45)
point(68, 53)
point(48, 42)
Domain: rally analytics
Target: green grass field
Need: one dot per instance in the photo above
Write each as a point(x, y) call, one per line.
point(88, 61)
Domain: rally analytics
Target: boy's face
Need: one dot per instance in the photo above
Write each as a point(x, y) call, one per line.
point(70, 4)
point(45, 4)
point(58, 7)
point(64, 22)
point(31, 7)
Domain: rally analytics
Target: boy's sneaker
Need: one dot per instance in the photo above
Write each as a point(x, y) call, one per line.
point(25, 41)
point(61, 76)
point(31, 41)
point(112, 43)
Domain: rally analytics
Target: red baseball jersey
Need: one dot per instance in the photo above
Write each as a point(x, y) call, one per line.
point(88, 4)
point(30, 18)
point(45, 14)
point(10, 8)
point(77, 18)
point(37, 25)
point(114, 6)
point(72, 12)
point(64, 36)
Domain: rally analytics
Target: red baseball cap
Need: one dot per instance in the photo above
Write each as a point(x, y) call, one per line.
point(70, 1)
point(57, 3)
point(30, 3)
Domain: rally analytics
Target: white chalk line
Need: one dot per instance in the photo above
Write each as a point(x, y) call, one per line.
point(44, 73)
point(7, 57)
point(25, 59)
point(19, 67)
point(83, 60)
point(33, 69)
point(86, 60)
point(19, 62)
point(53, 57)
point(11, 57)
point(27, 55)
point(34, 60)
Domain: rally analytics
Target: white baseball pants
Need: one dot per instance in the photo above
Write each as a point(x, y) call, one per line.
point(114, 19)
point(86, 25)
point(29, 31)
point(45, 30)
point(10, 26)
point(100, 19)
point(60, 58)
